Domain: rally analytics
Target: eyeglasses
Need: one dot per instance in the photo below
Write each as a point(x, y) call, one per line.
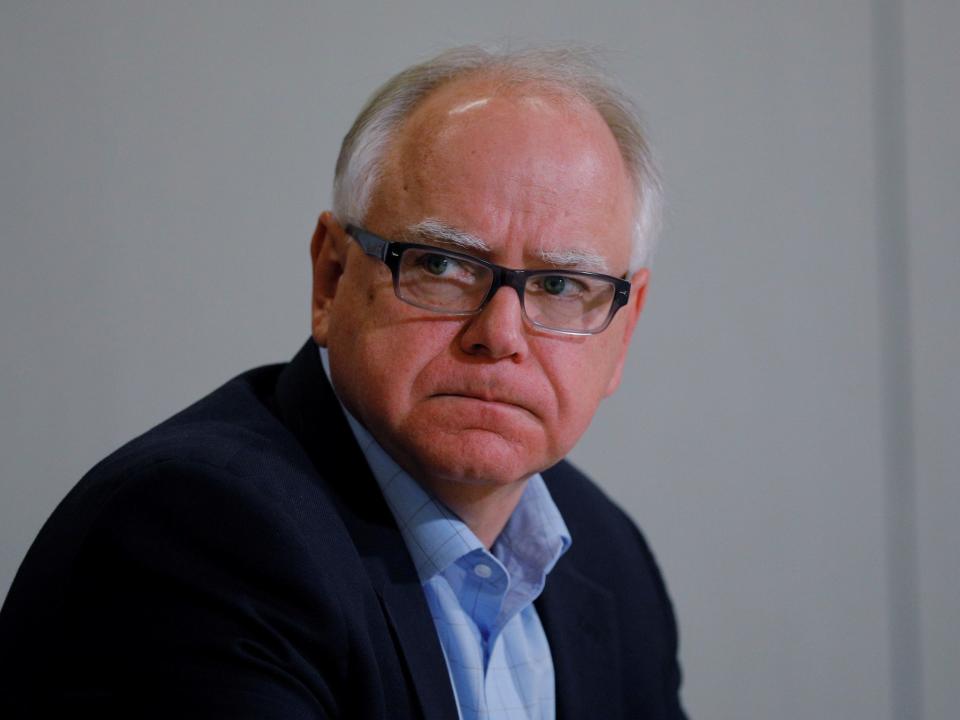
point(564, 301)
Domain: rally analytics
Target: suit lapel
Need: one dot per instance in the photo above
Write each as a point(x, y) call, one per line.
point(397, 584)
point(417, 637)
point(579, 618)
point(395, 580)
point(308, 407)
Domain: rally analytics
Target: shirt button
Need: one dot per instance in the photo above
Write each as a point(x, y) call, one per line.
point(482, 570)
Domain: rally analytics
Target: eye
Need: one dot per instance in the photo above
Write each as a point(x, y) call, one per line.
point(560, 287)
point(554, 284)
point(436, 264)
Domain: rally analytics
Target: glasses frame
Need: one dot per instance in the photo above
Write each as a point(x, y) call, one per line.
point(390, 252)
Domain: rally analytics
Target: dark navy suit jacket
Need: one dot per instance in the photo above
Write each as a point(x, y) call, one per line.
point(239, 561)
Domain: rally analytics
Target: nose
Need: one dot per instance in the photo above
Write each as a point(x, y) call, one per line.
point(498, 330)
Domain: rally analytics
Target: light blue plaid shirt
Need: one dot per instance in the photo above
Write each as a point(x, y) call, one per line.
point(481, 602)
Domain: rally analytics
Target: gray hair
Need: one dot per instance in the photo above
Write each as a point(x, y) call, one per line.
point(360, 164)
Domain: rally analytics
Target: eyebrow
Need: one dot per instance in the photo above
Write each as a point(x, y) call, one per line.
point(437, 231)
point(574, 259)
point(433, 230)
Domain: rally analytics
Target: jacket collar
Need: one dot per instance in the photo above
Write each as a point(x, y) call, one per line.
point(309, 408)
point(579, 618)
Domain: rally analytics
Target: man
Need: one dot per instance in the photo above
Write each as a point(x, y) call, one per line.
point(385, 527)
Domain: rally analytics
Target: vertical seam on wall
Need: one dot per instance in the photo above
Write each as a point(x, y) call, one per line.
point(890, 157)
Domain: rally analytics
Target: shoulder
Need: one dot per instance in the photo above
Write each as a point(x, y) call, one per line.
point(250, 478)
point(221, 495)
point(226, 461)
point(611, 554)
point(233, 420)
point(593, 518)
point(608, 548)
point(208, 535)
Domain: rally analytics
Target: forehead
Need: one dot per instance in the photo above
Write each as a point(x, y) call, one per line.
point(526, 168)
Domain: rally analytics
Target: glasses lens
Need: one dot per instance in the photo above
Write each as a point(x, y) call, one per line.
point(569, 302)
point(435, 280)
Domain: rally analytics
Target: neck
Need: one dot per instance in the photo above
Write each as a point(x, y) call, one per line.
point(484, 509)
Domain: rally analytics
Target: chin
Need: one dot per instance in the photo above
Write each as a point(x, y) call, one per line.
point(476, 457)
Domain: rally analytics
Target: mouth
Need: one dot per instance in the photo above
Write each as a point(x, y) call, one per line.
point(490, 401)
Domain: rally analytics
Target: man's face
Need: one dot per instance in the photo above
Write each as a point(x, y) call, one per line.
point(487, 399)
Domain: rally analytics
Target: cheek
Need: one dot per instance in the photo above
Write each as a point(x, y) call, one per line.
point(579, 380)
point(358, 365)
point(378, 351)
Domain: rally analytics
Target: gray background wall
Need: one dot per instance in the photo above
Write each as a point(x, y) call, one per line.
point(787, 436)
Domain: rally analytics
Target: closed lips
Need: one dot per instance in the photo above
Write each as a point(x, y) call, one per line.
point(487, 397)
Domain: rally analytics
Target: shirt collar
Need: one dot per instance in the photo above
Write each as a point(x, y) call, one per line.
point(532, 541)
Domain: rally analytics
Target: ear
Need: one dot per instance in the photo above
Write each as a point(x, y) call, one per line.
point(638, 295)
point(328, 254)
